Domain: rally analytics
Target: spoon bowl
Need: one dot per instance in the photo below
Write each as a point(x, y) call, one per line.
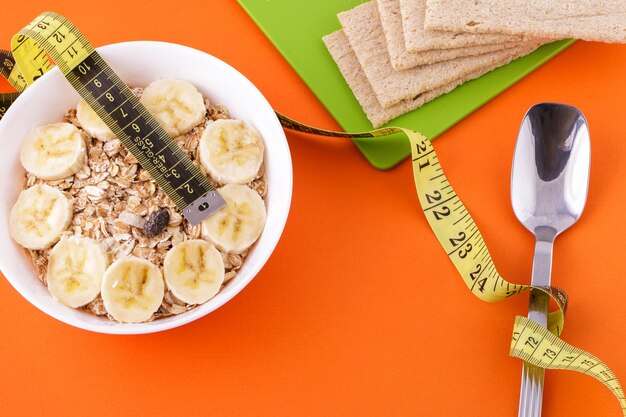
point(551, 167)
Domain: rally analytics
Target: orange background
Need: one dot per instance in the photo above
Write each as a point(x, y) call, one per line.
point(358, 312)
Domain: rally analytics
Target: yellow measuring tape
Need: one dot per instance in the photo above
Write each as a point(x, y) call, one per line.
point(52, 36)
point(460, 238)
point(449, 219)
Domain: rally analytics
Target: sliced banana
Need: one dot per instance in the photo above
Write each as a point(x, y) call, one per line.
point(132, 289)
point(176, 104)
point(39, 216)
point(52, 152)
point(240, 223)
point(231, 151)
point(194, 271)
point(75, 269)
point(92, 123)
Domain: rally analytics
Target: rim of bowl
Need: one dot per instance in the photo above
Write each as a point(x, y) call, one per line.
point(208, 307)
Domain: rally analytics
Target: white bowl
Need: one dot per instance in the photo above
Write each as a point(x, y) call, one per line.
point(139, 63)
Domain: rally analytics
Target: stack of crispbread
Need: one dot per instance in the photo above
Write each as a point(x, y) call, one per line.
point(399, 54)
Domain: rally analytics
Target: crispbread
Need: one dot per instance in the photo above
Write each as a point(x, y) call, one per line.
point(417, 39)
point(339, 47)
point(401, 59)
point(594, 20)
point(364, 32)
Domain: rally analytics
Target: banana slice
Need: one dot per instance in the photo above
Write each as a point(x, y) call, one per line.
point(92, 123)
point(75, 269)
point(194, 271)
point(240, 223)
point(132, 289)
point(52, 152)
point(177, 105)
point(39, 216)
point(231, 151)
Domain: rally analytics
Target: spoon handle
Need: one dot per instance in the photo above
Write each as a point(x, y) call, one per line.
point(531, 393)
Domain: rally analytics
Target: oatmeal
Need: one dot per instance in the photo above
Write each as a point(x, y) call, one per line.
point(116, 206)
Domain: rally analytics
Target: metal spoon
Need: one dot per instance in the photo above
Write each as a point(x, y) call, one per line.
point(549, 184)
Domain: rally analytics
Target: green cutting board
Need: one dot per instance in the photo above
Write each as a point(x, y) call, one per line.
point(296, 28)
